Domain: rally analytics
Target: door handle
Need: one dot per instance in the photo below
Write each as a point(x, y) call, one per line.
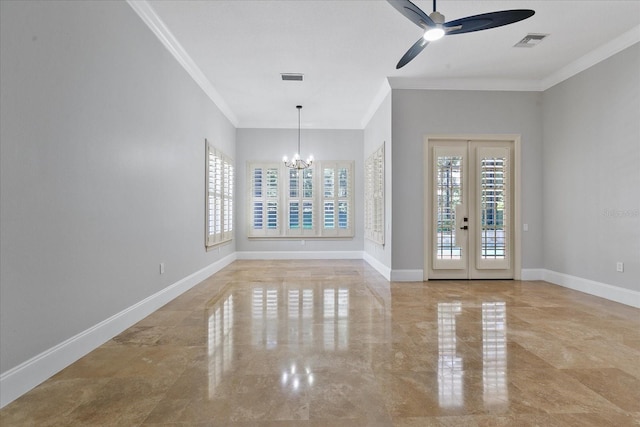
point(464, 227)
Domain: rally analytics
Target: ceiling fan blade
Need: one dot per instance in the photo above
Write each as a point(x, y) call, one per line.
point(487, 20)
point(413, 12)
point(412, 52)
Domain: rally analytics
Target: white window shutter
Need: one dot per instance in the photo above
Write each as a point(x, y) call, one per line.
point(219, 197)
point(313, 202)
point(374, 196)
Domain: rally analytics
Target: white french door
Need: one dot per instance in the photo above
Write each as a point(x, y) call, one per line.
point(470, 209)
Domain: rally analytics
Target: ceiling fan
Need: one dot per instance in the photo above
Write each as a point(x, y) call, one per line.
point(435, 27)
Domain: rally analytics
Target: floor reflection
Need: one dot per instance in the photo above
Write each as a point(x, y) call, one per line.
point(220, 341)
point(450, 373)
point(292, 315)
point(336, 319)
point(300, 316)
point(296, 378)
point(305, 319)
point(494, 354)
point(297, 315)
point(341, 346)
point(264, 317)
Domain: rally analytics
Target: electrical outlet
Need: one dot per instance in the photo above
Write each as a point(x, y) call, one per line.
point(620, 267)
point(525, 227)
point(162, 268)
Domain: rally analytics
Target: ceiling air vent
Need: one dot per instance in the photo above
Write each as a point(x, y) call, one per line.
point(531, 40)
point(291, 77)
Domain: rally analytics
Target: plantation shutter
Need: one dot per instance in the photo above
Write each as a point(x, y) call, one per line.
point(374, 196)
point(219, 197)
point(300, 202)
point(265, 218)
point(337, 199)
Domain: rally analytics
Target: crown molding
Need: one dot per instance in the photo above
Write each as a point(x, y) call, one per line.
point(592, 58)
point(380, 96)
point(597, 55)
point(153, 21)
point(512, 85)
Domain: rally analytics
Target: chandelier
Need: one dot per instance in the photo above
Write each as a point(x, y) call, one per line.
point(297, 162)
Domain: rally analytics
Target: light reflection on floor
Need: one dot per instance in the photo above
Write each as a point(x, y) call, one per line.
point(337, 345)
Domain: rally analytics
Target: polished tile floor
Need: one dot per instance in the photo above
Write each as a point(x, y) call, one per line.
point(331, 343)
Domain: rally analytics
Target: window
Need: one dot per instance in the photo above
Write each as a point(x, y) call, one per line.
point(337, 195)
point(314, 202)
point(219, 197)
point(374, 196)
point(300, 203)
point(265, 218)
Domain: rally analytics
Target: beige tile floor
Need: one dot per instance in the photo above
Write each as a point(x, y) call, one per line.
point(331, 343)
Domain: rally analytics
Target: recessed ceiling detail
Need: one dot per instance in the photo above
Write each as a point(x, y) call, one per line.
point(531, 40)
point(292, 77)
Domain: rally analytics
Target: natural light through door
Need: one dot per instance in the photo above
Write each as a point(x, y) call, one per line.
point(470, 205)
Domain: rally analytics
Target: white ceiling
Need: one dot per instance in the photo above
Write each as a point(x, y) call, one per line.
point(347, 49)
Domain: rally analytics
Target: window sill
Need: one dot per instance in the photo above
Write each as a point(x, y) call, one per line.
point(218, 245)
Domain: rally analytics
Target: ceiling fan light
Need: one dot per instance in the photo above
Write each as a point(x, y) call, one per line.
point(433, 34)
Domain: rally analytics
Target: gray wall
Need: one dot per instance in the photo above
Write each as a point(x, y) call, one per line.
point(270, 145)
point(377, 131)
point(102, 169)
point(592, 172)
point(417, 113)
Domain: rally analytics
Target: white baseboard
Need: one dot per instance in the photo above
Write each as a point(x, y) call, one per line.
point(602, 290)
point(532, 274)
point(407, 275)
point(299, 255)
point(22, 378)
point(380, 267)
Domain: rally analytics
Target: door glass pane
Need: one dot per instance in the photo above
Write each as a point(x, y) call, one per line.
point(492, 207)
point(449, 193)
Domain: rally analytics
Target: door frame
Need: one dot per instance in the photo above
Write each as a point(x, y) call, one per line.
point(515, 139)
